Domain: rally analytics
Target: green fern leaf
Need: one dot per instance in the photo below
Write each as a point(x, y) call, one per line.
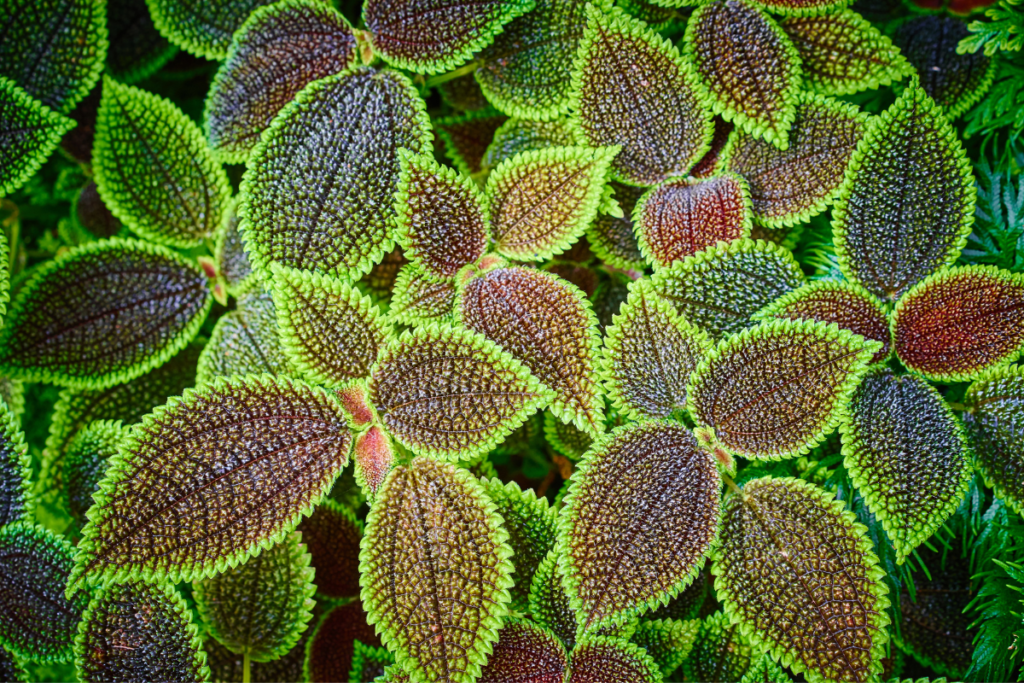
point(720, 654)
point(467, 137)
point(202, 27)
point(245, 341)
point(331, 650)
point(525, 652)
point(30, 132)
point(420, 299)
point(85, 464)
point(523, 135)
point(667, 641)
point(16, 470)
point(332, 535)
point(603, 659)
point(993, 421)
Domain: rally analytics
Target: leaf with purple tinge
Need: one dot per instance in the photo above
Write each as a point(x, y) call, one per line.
point(525, 652)
point(245, 341)
point(603, 659)
point(331, 649)
point(467, 137)
point(720, 654)
point(373, 457)
point(712, 163)
point(331, 536)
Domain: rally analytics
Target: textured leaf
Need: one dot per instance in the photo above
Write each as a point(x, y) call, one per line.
point(959, 322)
point(16, 470)
point(270, 449)
point(278, 51)
point(12, 392)
point(139, 631)
point(549, 605)
point(29, 133)
point(380, 281)
point(994, 419)
point(435, 570)
point(420, 300)
point(10, 668)
point(776, 390)
point(202, 27)
point(748, 65)
point(319, 187)
point(632, 88)
point(789, 187)
point(841, 53)
point(649, 354)
point(329, 653)
point(907, 204)
point(612, 239)
point(566, 439)
point(86, 463)
point(331, 535)
point(368, 662)
point(720, 653)
point(463, 93)
point(655, 13)
point(546, 324)
point(720, 288)
point(765, 670)
point(542, 201)
point(793, 562)
point(466, 138)
point(525, 652)
point(374, 456)
point(683, 216)
point(102, 314)
point(136, 50)
point(523, 135)
point(92, 213)
point(688, 604)
point(232, 261)
point(668, 642)
point(36, 621)
point(226, 666)
point(600, 659)
point(711, 163)
point(245, 341)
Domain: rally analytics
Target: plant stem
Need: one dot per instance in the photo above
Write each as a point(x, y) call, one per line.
point(245, 668)
point(452, 75)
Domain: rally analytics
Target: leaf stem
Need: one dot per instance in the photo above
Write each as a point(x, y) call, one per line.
point(731, 484)
point(245, 667)
point(959, 407)
point(452, 75)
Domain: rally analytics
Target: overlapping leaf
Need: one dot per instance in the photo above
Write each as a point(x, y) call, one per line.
point(10, 668)
point(369, 662)
point(29, 133)
point(711, 163)
point(522, 135)
point(802, 7)
point(380, 281)
point(566, 439)
point(688, 604)
point(994, 420)
point(467, 137)
point(549, 605)
point(331, 650)
point(463, 93)
point(612, 238)
point(86, 463)
point(232, 262)
point(603, 659)
point(331, 535)
point(136, 50)
point(374, 455)
point(667, 641)
point(720, 654)
point(245, 341)
point(15, 469)
point(765, 670)
point(202, 27)
point(421, 300)
point(525, 652)
point(92, 213)
point(227, 666)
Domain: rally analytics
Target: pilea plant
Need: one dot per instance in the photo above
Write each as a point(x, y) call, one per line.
point(520, 340)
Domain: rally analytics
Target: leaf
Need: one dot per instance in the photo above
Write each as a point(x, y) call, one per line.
point(30, 132)
point(542, 201)
point(374, 456)
point(749, 67)
point(957, 323)
point(139, 631)
point(566, 439)
point(655, 13)
point(10, 668)
point(232, 261)
point(466, 137)
point(668, 642)
point(330, 332)
point(368, 662)
point(765, 670)
point(790, 187)
point(523, 135)
point(54, 49)
point(682, 216)
point(202, 28)
point(846, 304)
point(547, 325)
point(76, 323)
point(907, 204)
point(93, 215)
point(435, 570)
point(640, 516)
point(525, 652)
point(331, 650)
point(719, 288)
point(380, 281)
point(16, 470)
point(154, 170)
point(278, 51)
point(421, 300)
point(712, 162)
point(612, 239)
point(907, 455)
point(245, 341)
point(993, 422)
point(688, 604)
point(319, 187)
point(331, 535)
point(442, 217)
point(463, 93)
point(432, 36)
point(601, 659)
point(868, 59)
point(631, 88)
point(776, 390)
point(649, 354)
point(211, 478)
point(86, 463)
point(37, 622)
point(227, 666)
point(720, 653)
point(136, 50)
point(549, 605)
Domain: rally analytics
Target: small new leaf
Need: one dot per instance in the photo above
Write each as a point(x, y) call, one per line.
point(667, 641)
point(525, 652)
point(995, 423)
point(245, 341)
point(30, 132)
point(612, 238)
point(466, 138)
point(419, 299)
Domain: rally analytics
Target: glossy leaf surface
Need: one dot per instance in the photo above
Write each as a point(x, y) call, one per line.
point(86, 463)
point(525, 652)
point(601, 659)
point(201, 27)
point(29, 132)
point(420, 299)
point(245, 341)
point(331, 650)
point(15, 468)
point(994, 419)
point(523, 135)
point(331, 535)
point(720, 653)
point(667, 641)
point(467, 137)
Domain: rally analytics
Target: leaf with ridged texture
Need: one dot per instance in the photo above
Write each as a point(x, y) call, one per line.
point(329, 330)
point(435, 570)
point(649, 353)
point(720, 654)
point(633, 89)
point(331, 649)
point(421, 300)
point(245, 341)
point(907, 454)
point(318, 192)
point(278, 51)
point(29, 133)
point(720, 288)
point(368, 662)
point(12, 392)
point(10, 668)
point(227, 667)
point(995, 422)
point(867, 58)
point(687, 605)
point(373, 455)
point(452, 393)
point(748, 65)
point(525, 653)
point(524, 135)
point(777, 390)
point(667, 641)
point(86, 463)
point(682, 216)
point(612, 238)
point(541, 201)
point(92, 213)
point(549, 605)
point(136, 50)
point(463, 93)
point(37, 622)
point(331, 535)
point(907, 204)
point(603, 659)
point(846, 304)
point(789, 187)
point(202, 27)
point(711, 163)
point(102, 314)
point(16, 470)
point(154, 170)
point(794, 561)
point(380, 281)
point(442, 216)
point(54, 49)
point(653, 13)
point(232, 261)
point(766, 670)
point(959, 322)
point(211, 478)
point(467, 137)
point(567, 439)
point(640, 517)
point(139, 631)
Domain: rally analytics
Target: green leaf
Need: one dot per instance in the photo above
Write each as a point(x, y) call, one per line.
point(639, 519)
point(868, 60)
point(712, 162)
point(10, 668)
point(602, 659)
point(720, 288)
point(632, 88)
point(523, 135)
point(12, 392)
point(29, 132)
point(542, 201)
point(794, 562)
point(139, 631)
point(154, 170)
point(466, 138)
point(380, 281)
point(331, 650)
point(245, 341)
point(16, 470)
point(958, 323)
point(994, 420)
point(549, 605)
point(765, 670)
point(319, 187)
point(800, 8)
point(232, 261)
point(748, 65)
point(420, 299)
point(667, 641)
point(907, 204)
point(451, 393)
point(463, 93)
point(720, 654)
point(907, 455)
point(86, 463)
point(331, 535)
point(649, 353)
point(789, 187)
point(525, 652)
point(37, 622)
point(136, 50)
point(202, 27)
point(566, 439)
point(368, 662)
point(102, 314)
point(688, 604)
point(433, 540)
point(211, 478)
point(612, 238)
point(658, 14)
point(682, 216)
point(227, 666)
point(303, 40)
point(777, 390)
